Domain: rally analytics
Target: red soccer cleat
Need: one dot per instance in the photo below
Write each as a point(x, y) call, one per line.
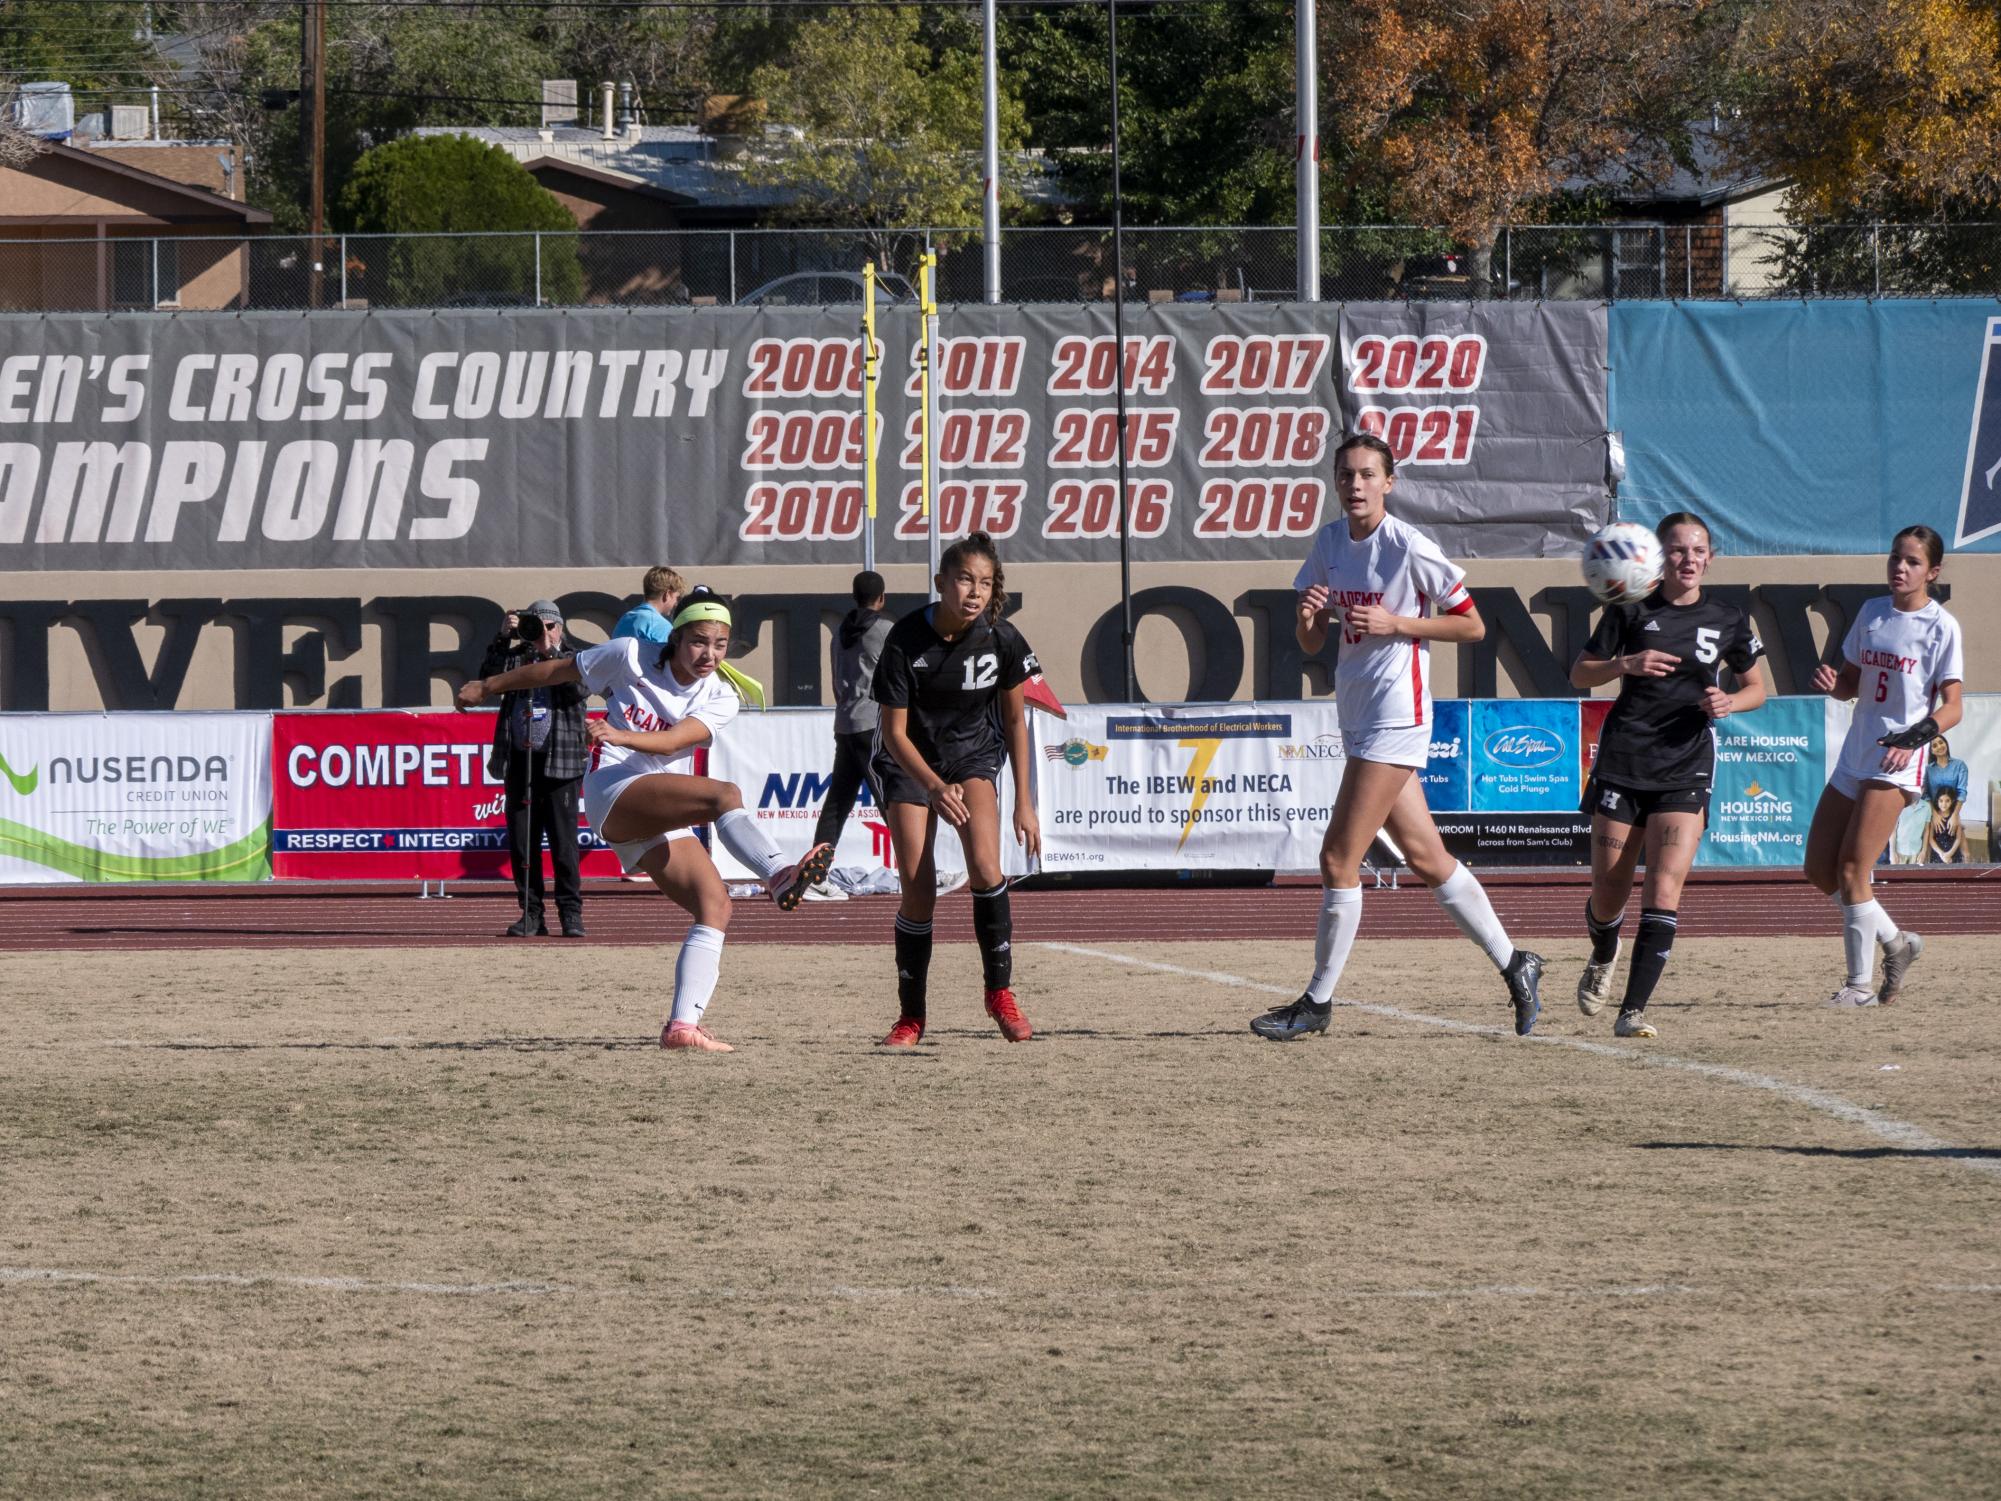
point(694, 1036)
point(905, 1034)
point(1007, 1016)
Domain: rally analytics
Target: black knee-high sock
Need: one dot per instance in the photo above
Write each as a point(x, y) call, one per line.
point(993, 925)
point(1604, 935)
point(913, 965)
point(1650, 956)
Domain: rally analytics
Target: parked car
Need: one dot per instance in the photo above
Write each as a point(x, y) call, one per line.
point(827, 289)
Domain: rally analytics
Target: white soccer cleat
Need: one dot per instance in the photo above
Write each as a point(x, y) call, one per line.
point(1633, 1024)
point(1594, 986)
point(1851, 995)
point(825, 891)
point(1898, 956)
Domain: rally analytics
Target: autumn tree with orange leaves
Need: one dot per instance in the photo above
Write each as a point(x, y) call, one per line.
point(1876, 106)
point(1464, 112)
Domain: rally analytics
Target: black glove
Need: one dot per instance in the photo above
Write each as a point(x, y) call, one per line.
point(1924, 732)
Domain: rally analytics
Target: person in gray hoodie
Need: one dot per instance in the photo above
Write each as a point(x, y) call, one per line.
point(857, 645)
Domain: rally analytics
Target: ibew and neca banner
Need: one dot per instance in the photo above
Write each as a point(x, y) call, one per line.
point(135, 797)
point(613, 437)
point(1187, 787)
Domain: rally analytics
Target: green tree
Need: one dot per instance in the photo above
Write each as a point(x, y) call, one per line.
point(1206, 113)
point(886, 130)
point(474, 193)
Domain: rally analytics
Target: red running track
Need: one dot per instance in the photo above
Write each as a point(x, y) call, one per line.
point(292, 916)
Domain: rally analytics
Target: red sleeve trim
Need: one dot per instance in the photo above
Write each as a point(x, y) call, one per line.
point(1465, 604)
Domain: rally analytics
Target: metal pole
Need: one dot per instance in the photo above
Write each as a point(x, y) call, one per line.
point(1876, 254)
point(870, 373)
point(313, 96)
point(343, 270)
point(990, 133)
point(1688, 259)
point(156, 273)
point(927, 365)
point(732, 268)
point(1119, 366)
point(1306, 96)
point(538, 268)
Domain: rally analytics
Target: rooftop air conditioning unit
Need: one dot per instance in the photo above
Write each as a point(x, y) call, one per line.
point(130, 122)
point(47, 110)
point(559, 102)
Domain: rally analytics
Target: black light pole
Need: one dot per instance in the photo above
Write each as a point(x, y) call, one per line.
point(1119, 367)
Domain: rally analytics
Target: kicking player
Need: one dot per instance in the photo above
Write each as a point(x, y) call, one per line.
point(1649, 788)
point(642, 798)
point(950, 683)
point(1902, 664)
point(1392, 593)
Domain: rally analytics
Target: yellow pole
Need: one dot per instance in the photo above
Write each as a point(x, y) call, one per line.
point(870, 374)
point(928, 308)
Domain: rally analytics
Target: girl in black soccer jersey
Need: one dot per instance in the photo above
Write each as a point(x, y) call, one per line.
point(950, 683)
point(1649, 788)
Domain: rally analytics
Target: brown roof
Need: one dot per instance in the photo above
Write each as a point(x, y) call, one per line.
point(201, 202)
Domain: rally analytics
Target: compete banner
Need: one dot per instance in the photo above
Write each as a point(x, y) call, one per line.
point(595, 437)
point(135, 797)
point(781, 759)
point(393, 796)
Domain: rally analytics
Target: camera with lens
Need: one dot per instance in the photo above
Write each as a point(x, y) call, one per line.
point(528, 630)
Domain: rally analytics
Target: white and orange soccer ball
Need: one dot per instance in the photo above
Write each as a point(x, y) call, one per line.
point(1622, 563)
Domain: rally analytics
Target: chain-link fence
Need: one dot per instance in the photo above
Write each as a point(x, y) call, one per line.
point(1068, 264)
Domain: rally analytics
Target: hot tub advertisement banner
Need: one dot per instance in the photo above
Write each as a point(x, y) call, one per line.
point(135, 797)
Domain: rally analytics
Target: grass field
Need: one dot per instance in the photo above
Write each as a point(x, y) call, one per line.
point(448, 1223)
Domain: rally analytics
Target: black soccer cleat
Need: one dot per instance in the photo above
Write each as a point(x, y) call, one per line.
point(1284, 1023)
point(1524, 977)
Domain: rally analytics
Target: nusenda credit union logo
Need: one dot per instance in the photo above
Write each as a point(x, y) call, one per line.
point(1522, 747)
point(23, 782)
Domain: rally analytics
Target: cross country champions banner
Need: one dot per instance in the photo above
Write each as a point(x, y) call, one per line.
point(393, 796)
point(593, 437)
point(135, 797)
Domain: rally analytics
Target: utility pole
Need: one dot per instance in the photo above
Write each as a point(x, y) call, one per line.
point(1306, 102)
point(313, 105)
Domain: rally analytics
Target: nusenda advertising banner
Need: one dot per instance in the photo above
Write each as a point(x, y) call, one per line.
point(391, 796)
point(135, 797)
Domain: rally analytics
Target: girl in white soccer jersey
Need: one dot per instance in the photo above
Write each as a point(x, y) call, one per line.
point(642, 798)
point(1391, 593)
point(1902, 664)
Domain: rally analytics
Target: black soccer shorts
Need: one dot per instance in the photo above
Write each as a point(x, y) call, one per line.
point(1634, 805)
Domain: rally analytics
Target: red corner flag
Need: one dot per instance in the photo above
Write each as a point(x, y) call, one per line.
point(1036, 691)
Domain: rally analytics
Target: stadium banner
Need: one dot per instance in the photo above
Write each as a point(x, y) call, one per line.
point(1187, 786)
point(780, 760)
point(1864, 416)
point(1770, 766)
point(1505, 779)
point(605, 437)
point(1952, 822)
point(135, 797)
point(390, 795)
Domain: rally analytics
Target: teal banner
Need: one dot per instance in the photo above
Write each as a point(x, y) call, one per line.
point(1770, 767)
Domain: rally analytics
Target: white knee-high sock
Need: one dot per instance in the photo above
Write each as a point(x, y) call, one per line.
point(1863, 926)
point(743, 836)
point(1465, 901)
point(695, 972)
point(1340, 916)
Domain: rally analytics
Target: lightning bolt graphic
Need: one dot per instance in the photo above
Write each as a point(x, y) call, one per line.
point(1198, 771)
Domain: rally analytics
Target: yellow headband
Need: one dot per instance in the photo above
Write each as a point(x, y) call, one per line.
point(748, 688)
point(701, 609)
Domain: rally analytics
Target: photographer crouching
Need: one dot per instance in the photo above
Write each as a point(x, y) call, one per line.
point(540, 753)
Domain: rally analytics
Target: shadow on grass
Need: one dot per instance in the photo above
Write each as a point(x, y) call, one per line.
point(1983, 1153)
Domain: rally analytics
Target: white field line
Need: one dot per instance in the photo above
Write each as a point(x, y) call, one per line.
point(1883, 1127)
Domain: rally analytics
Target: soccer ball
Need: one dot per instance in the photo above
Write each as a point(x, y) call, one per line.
point(1621, 563)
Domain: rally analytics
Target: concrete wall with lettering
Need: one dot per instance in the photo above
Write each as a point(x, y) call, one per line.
point(404, 638)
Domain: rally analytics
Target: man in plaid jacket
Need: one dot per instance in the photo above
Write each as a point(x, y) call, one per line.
point(540, 753)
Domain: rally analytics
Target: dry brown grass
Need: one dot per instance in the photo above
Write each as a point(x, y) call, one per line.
point(1144, 1255)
